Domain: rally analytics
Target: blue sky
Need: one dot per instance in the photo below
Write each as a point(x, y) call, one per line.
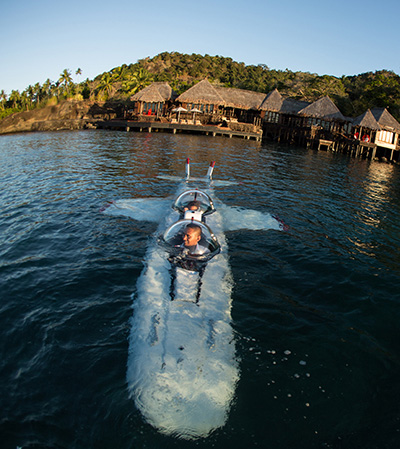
point(39, 39)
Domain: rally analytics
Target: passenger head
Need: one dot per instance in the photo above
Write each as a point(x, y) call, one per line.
point(193, 205)
point(192, 234)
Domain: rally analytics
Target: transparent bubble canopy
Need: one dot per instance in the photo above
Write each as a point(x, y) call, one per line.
point(173, 239)
point(197, 198)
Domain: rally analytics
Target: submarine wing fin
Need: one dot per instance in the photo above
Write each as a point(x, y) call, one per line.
point(236, 218)
point(141, 209)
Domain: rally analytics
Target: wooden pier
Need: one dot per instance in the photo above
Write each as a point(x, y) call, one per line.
point(155, 126)
point(354, 148)
point(319, 139)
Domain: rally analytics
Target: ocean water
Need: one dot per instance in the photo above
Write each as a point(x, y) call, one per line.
point(315, 309)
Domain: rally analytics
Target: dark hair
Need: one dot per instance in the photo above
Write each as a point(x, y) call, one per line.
point(194, 203)
point(195, 227)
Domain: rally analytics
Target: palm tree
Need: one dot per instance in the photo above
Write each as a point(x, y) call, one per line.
point(105, 85)
point(3, 99)
point(47, 88)
point(29, 95)
point(130, 86)
point(144, 78)
point(137, 81)
point(57, 89)
point(25, 99)
point(15, 98)
point(65, 78)
point(120, 73)
point(37, 93)
point(78, 87)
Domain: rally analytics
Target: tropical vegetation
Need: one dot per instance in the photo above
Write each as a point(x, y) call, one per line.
point(352, 94)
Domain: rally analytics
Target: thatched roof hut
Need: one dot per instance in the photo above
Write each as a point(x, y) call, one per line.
point(205, 93)
point(385, 119)
point(272, 102)
point(290, 106)
point(324, 108)
point(366, 120)
point(240, 98)
point(201, 93)
point(155, 93)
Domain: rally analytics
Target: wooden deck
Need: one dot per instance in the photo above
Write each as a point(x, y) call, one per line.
point(209, 130)
point(319, 139)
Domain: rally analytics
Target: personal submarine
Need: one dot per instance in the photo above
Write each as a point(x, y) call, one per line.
point(182, 368)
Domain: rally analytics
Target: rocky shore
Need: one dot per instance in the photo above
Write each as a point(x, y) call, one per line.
point(64, 116)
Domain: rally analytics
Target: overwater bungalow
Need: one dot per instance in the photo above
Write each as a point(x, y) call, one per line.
point(223, 104)
point(365, 123)
point(378, 130)
point(301, 122)
point(387, 137)
point(322, 111)
point(155, 99)
point(365, 128)
point(271, 106)
point(325, 121)
point(203, 96)
point(242, 105)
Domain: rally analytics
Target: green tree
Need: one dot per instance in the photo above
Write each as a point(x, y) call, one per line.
point(37, 94)
point(105, 85)
point(15, 98)
point(138, 80)
point(3, 99)
point(65, 80)
point(25, 99)
point(144, 78)
point(78, 87)
point(120, 73)
point(28, 99)
point(47, 89)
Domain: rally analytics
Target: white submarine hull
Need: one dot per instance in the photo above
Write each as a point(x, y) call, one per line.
point(182, 368)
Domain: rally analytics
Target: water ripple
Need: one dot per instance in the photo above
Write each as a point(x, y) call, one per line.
point(315, 309)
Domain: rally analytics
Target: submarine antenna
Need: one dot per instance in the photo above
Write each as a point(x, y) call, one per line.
point(210, 170)
point(187, 168)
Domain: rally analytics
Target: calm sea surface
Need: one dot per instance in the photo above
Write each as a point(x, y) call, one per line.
point(316, 309)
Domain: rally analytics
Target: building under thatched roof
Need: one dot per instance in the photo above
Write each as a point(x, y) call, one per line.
point(155, 97)
point(324, 108)
point(201, 93)
point(240, 98)
point(385, 119)
point(205, 93)
point(272, 102)
point(290, 106)
point(366, 120)
point(155, 93)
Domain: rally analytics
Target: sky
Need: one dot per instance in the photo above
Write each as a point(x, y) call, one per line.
point(41, 38)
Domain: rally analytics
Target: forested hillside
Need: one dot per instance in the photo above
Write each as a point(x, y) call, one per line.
point(352, 94)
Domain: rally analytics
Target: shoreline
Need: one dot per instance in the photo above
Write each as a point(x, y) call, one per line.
point(90, 115)
point(68, 115)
